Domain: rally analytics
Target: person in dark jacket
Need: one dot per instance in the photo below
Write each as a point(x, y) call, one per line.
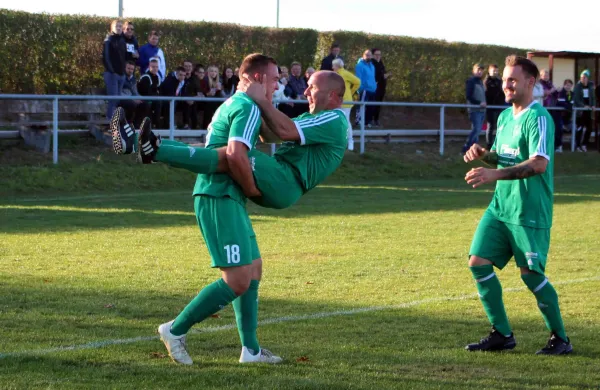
point(113, 58)
point(565, 100)
point(584, 97)
point(230, 82)
point(173, 86)
point(193, 88)
point(381, 77)
point(475, 92)
point(494, 96)
point(149, 85)
point(295, 89)
point(131, 107)
point(334, 53)
point(131, 42)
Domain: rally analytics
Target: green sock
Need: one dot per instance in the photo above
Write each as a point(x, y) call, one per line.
point(246, 316)
point(172, 142)
point(194, 159)
point(490, 293)
point(210, 300)
point(547, 300)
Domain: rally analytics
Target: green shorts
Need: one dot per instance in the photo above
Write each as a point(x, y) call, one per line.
point(227, 231)
point(498, 241)
point(276, 180)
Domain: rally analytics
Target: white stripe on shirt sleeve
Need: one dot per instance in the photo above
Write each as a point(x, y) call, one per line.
point(301, 133)
point(250, 124)
point(541, 147)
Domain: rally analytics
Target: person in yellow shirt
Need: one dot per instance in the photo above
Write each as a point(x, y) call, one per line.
point(352, 85)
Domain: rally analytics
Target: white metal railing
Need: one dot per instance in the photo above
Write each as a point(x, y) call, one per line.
point(441, 132)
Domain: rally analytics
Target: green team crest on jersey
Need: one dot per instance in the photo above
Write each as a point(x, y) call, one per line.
point(526, 202)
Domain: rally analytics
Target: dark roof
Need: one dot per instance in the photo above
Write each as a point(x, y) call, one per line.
point(564, 54)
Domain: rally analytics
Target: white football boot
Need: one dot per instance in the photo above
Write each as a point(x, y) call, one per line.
point(175, 344)
point(264, 356)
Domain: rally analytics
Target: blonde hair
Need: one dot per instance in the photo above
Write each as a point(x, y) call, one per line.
point(114, 23)
point(212, 83)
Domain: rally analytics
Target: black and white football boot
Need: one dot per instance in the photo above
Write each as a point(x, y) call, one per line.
point(148, 142)
point(123, 134)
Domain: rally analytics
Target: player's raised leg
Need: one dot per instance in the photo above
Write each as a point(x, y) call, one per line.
point(152, 148)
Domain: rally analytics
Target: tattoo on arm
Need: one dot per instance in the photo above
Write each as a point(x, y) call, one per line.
point(521, 171)
point(490, 158)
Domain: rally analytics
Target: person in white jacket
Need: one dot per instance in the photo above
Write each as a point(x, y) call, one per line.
point(538, 93)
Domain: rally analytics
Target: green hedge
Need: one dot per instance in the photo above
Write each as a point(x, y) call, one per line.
point(62, 53)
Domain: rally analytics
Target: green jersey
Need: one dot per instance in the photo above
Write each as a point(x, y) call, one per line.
point(237, 119)
point(525, 202)
point(323, 141)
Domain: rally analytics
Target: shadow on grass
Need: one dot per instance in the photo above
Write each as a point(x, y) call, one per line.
point(153, 210)
point(415, 347)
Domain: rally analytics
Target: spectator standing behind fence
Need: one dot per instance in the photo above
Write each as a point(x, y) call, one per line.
point(284, 73)
point(551, 100)
point(334, 52)
point(295, 89)
point(475, 92)
point(230, 82)
point(211, 88)
point(538, 93)
point(174, 85)
point(283, 93)
point(381, 77)
point(149, 85)
point(352, 85)
point(193, 88)
point(583, 96)
point(151, 50)
point(365, 71)
point(113, 58)
point(494, 96)
point(564, 100)
point(132, 109)
point(309, 72)
point(131, 42)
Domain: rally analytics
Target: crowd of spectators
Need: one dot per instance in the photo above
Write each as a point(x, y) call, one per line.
point(122, 55)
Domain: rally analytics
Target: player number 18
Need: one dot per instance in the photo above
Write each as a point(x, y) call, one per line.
point(233, 253)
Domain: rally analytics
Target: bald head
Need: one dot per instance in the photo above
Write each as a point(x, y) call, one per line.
point(325, 91)
point(333, 82)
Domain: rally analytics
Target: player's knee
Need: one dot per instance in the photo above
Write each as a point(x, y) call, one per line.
point(257, 269)
point(238, 279)
point(239, 284)
point(475, 261)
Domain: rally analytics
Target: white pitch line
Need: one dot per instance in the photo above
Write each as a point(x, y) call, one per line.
point(137, 194)
point(270, 321)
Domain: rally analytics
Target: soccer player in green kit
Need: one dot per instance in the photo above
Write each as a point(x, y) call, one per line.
point(315, 148)
point(518, 220)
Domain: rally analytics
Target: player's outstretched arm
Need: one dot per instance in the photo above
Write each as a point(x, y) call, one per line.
point(534, 166)
point(279, 123)
point(239, 168)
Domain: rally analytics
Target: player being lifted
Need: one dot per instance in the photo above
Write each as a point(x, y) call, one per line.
point(518, 220)
point(230, 170)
